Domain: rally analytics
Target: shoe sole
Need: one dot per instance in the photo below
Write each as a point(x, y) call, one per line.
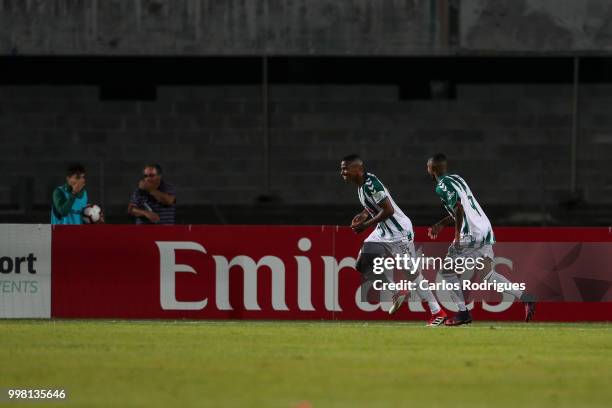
point(444, 319)
point(397, 304)
point(459, 324)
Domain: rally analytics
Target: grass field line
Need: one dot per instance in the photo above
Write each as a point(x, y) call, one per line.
point(484, 325)
point(252, 363)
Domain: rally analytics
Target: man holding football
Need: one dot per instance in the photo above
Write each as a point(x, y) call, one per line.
point(70, 199)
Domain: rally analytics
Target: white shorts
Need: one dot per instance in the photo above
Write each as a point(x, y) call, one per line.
point(401, 247)
point(467, 251)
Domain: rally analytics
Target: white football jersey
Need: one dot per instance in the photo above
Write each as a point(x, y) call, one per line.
point(476, 225)
point(395, 228)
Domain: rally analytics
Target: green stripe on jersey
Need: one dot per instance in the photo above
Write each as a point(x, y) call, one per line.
point(397, 224)
point(458, 180)
point(466, 227)
point(384, 224)
point(372, 207)
point(370, 204)
point(455, 184)
point(374, 183)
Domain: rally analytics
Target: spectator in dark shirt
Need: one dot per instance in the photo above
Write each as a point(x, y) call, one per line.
point(154, 201)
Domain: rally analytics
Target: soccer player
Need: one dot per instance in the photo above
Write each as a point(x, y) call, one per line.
point(70, 199)
point(392, 236)
point(473, 235)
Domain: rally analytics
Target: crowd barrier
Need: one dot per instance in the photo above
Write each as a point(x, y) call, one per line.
point(229, 272)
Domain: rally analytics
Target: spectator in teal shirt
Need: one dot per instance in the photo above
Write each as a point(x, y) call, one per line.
point(70, 199)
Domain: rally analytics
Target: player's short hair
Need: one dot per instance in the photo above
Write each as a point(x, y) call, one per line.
point(157, 167)
point(439, 158)
point(74, 168)
point(351, 158)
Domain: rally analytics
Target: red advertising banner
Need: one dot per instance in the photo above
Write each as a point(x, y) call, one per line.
point(251, 272)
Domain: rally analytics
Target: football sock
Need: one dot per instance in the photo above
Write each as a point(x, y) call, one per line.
point(426, 295)
point(456, 295)
point(496, 277)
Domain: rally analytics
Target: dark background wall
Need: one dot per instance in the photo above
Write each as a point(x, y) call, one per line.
point(506, 124)
point(250, 105)
point(306, 27)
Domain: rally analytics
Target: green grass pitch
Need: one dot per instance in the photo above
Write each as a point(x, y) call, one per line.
point(309, 364)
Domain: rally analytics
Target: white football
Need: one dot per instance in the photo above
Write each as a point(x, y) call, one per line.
point(92, 214)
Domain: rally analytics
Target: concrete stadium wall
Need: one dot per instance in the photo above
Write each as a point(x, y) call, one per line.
point(339, 27)
point(511, 142)
point(536, 25)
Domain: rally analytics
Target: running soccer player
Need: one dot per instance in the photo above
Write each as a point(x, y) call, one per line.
point(473, 235)
point(392, 236)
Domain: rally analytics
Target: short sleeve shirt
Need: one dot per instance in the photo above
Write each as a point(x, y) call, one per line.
point(145, 201)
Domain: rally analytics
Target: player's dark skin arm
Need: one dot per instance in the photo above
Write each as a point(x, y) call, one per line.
point(435, 229)
point(385, 212)
point(361, 217)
